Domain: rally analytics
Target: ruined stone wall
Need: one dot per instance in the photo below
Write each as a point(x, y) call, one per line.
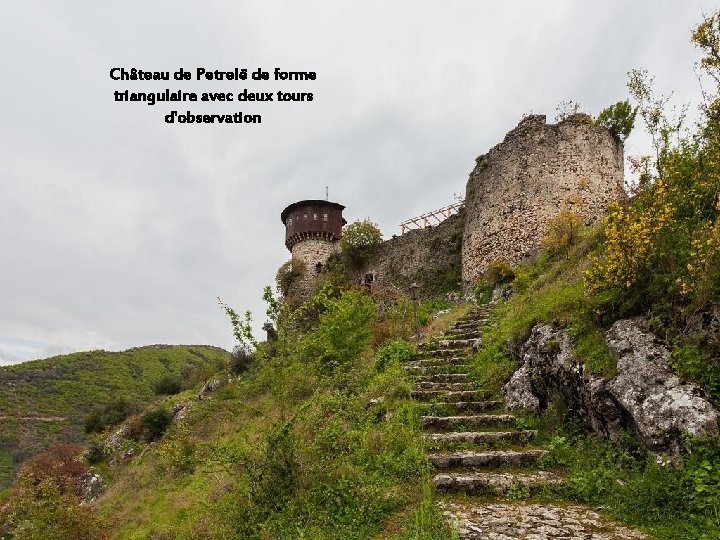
point(525, 180)
point(430, 257)
point(310, 253)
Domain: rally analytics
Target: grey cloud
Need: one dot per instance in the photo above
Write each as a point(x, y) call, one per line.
point(118, 230)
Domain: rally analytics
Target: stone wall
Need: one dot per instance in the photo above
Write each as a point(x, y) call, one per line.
point(512, 193)
point(525, 180)
point(430, 257)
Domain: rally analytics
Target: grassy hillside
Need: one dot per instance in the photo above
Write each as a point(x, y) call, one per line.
point(314, 441)
point(50, 399)
point(320, 439)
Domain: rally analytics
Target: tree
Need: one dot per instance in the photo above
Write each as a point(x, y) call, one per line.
point(562, 231)
point(619, 119)
point(664, 124)
point(360, 240)
point(242, 328)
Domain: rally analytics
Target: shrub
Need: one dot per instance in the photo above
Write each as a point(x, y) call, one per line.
point(343, 330)
point(562, 231)
point(240, 360)
point(661, 250)
point(360, 240)
point(619, 119)
point(94, 453)
point(45, 501)
point(393, 353)
point(288, 273)
point(499, 273)
point(154, 423)
point(168, 385)
point(109, 415)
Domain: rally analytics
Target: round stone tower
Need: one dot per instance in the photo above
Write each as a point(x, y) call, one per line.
point(312, 233)
point(523, 182)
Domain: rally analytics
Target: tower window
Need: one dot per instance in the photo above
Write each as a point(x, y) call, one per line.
point(290, 221)
point(314, 217)
point(325, 216)
point(305, 215)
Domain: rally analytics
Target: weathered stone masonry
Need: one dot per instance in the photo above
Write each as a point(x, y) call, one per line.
point(525, 180)
point(511, 194)
point(314, 253)
point(430, 257)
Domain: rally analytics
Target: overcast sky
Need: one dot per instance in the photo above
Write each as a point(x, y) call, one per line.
point(119, 230)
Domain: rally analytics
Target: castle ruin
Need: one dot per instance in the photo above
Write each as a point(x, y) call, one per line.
point(523, 182)
point(512, 193)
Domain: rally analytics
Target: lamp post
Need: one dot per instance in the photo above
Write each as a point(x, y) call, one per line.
point(413, 294)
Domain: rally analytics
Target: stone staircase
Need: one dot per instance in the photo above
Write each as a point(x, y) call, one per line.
point(479, 451)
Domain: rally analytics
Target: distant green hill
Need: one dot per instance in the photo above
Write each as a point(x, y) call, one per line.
point(50, 399)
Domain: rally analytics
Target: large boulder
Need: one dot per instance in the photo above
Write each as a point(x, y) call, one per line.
point(663, 407)
point(645, 395)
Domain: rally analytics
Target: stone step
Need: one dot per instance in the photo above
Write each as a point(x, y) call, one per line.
point(465, 325)
point(444, 395)
point(482, 437)
point(490, 458)
point(437, 369)
point(482, 420)
point(444, 377)
point(469, 334)
point(493, 483)
point(441, 353)
point(469, 406)
point(453, 386)
point(432, 362)
point(484, 520)
point(474, 315)
point(444, 344)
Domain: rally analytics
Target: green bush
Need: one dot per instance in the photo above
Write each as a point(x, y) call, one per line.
point(499, 273)
point(342, 332)
point(94, 453)
point(109, 415)
point(154, 423)
point(619, 119)
point(288, 273)
point(240, 360)
point(393, 353)
point(168, 385)
point(360, 240)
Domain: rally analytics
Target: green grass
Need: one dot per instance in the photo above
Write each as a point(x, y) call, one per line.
point(548, 291)
point(289, 450)
point(618, 477)
point(273, 462)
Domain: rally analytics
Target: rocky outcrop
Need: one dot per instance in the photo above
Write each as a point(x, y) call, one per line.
point(645, 395)
point(661, 405)
point(211, 386)
point(91, 487)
